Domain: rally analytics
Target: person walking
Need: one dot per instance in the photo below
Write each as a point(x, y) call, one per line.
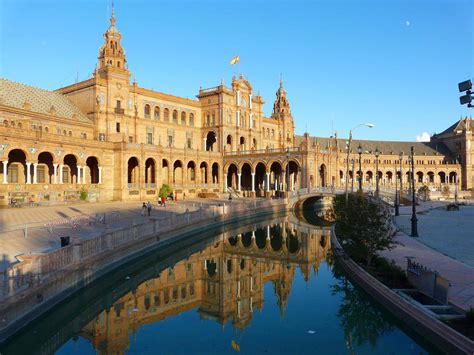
point(143, 209)
point(163, 201)
point(148, 208)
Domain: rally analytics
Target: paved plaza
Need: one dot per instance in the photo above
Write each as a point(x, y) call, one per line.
point(45, 225)
point(446, 245)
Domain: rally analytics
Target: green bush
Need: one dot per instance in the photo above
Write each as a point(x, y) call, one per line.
point(424, 193)
point(83, 194)
point(165, 190)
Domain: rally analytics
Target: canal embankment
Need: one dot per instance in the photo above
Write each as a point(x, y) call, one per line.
point(40, 281)
point(438, 333)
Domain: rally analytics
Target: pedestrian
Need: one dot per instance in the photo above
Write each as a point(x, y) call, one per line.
point(148, 207)
point(143, 209)
point(184, 196)
point(163, 201)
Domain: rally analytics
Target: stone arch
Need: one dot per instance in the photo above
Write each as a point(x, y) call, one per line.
point(178, 172)
point(150, 171)
point(431, 177)
point(260, 179)
point(70, 168)
point(369, 176)
point(419, 176)
point(133, 171)
point(246, 177)
point(45, 169)
point(165, 171)
point(211, 139)
point(203, 168)
point(293, 172)
point(16, 167)
point(323, 175)
point(232, 176)
point(453, 177)
point(276, 175)
point(442, 177)
point(93, 164)
point(389, 177)
point(228, 143)
point(191, 171)
point(215, 173)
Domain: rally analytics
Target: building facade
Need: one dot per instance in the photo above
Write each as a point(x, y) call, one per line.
point(107, 138)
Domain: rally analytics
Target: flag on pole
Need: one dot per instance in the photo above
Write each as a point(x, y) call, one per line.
point(235, 60)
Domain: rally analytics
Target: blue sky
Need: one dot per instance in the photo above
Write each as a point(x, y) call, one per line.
point(393, 63)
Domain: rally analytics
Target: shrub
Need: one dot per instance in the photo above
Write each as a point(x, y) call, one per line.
point(363, 225)
point(83, 194)
point(165, 190)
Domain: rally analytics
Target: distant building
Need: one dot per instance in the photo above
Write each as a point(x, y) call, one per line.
point(117, 141)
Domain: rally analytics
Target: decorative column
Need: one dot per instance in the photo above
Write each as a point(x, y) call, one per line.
point(61, 166)
point(84, 175)
point(253, 182)
point(55, 173)
point(268, 182)
point(205, 142)
point(225, 182)
point(100, 174)
point(239, 180)
point(5, 171)
point(268, 232)
point(28, 173)
point(35, 173)
point(78, 177)
point(284, 182)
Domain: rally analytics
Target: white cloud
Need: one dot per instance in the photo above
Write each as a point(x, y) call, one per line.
point(423, 137)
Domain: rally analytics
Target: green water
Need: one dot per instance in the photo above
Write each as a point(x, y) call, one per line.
point(266, 287)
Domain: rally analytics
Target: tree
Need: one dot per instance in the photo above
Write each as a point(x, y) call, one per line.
point(165, 190)
point(424, 192)
point(363, 226)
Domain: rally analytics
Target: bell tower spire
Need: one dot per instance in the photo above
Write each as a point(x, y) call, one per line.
point(111, 54)
point(282, 114)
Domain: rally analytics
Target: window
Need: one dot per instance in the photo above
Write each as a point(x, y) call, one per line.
point(170, 141)
point(83, 135)
point(13, 173)
point(208, 120)
point(46, 129)
point(118, 104)
point(70, 133)
point(149, 138)
point(189, 143)
point(147, 111)
point(65, 174)
point(213, 122)
point(102, 137)
point(191, 119)
point(130, 139)
point(41, 174)
point(166, 115)
point(117, 127)
point(157, 113)
point(58, 130)
point(183, 118)
point(175, 116)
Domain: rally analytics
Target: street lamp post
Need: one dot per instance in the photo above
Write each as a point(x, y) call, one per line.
point(414, 220)
point(397, 202)
point(401, 176)
point(359, 150)
point(348, 147)
point(352, 181)
point(377, 154)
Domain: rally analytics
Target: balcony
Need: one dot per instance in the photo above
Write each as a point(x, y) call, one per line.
point(119, 110)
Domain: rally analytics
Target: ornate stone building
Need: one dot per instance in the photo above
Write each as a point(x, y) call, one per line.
point(114, 140)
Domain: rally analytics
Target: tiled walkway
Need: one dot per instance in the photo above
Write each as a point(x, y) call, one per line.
point(446, 245)
point(40, 237)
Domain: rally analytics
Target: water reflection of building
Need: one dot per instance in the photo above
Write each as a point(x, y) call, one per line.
point(224, 281)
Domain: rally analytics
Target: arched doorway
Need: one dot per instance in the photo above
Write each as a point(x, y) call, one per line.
point(16, 168)
point(133, 172)
point(276, 182)
point(323, 175)
point(165, 172)
point(210, 141)
point(191, 171)
point(246, 177)
point(232, 176)
point(260, 174)
point(150, 171)
point(294, 176)
point(178, 172)
point(228, 146)
point(70, 169)
point(215, 173)
point(93, 165)
point(45, 169)
point(203, 169)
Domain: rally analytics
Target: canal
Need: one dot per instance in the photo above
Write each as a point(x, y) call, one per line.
point(267, 286)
